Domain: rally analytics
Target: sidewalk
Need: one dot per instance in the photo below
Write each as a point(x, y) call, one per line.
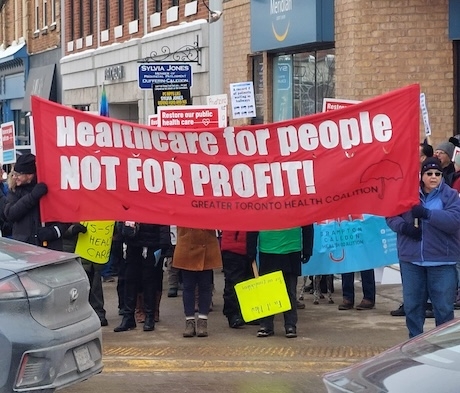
point(235, 360)
point(320, 327)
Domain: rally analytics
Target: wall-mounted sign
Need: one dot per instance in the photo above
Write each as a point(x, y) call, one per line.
point(150, 74)
point(114, 73)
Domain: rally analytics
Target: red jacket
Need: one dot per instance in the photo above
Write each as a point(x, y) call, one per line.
point(234, 241)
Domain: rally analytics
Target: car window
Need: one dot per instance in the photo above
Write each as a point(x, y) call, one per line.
point(439, 349)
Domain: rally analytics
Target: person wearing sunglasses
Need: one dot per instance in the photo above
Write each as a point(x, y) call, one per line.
point(428, 241)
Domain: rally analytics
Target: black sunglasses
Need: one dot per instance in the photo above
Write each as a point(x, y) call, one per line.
point(437, 174)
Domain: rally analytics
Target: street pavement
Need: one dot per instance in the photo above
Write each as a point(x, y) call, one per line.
point(235, 360)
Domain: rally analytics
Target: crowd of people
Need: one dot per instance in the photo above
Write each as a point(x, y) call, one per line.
point(428, 241)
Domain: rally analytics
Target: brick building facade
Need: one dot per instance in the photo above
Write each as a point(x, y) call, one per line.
point(383, 45)
point(378, 46)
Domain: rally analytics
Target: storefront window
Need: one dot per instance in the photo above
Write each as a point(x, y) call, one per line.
point(21, 125)
point(300, 83)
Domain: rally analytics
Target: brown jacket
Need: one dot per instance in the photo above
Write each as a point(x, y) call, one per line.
point(197, 250)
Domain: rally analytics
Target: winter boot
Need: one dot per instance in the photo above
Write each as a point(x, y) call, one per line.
point(140, 313)
point(202, 327)
point(127, 323)
point(149, 323)
point(156, 314)
point(189, 328)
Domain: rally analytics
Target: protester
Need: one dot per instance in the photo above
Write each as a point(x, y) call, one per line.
point(456, 187)
point(348, 290)
point(426, 151)
point(144, 245)
point(93, 271)
point(174, 278)
point(444, 152)
point(237, 258)
point(22, 207)
point(428, 239)
point(284, 250)
point(197, 253)
point(5, 226)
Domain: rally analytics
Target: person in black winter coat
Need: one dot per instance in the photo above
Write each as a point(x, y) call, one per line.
point(22, 208)
point(142, 269)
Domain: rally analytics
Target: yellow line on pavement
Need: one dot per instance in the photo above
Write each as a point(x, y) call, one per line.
point(121, 364)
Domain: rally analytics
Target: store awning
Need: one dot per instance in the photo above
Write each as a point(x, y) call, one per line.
point(12, 53)
point(39, 83)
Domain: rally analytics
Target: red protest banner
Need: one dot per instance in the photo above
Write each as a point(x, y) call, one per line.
point(360, 159)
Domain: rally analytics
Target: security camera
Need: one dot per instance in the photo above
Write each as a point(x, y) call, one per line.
point(214, 16)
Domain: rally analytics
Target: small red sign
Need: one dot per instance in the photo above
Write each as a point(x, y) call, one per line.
point(8, 136)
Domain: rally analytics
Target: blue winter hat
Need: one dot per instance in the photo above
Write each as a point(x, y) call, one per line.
point(431, 163)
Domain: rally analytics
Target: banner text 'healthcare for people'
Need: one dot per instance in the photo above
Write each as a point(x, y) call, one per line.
point(360, 159)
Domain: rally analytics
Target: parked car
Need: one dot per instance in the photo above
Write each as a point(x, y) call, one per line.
point(426, 363)
point(50, 337)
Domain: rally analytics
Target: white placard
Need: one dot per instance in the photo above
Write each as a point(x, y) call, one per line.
point(243, 102)
point(426, 120)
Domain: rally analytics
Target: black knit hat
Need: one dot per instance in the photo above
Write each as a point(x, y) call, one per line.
point(25, 164)
point(431, 163)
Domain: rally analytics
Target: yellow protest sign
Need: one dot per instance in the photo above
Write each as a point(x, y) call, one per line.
point(95, 244)
point(263, 296)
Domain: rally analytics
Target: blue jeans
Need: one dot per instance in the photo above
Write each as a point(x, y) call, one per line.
point(420, 283)
point(204, 281)
point(367, 282)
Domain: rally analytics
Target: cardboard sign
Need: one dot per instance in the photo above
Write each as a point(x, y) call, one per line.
point(8, 143)
point(190, 116)
point(263, 296)
point(95, 244)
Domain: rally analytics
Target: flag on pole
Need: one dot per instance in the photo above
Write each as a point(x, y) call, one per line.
point(104, 107)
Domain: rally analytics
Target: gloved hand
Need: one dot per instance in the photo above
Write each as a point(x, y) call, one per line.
point(78, 228)
point(39, 190)
point(306, 258)
point(421, 212)
point(412, 231)
point(48, 233)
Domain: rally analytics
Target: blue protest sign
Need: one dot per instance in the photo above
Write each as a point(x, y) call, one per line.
point(351, 245)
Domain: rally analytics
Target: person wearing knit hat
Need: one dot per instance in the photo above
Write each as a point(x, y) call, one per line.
point(445, 151)
point(22, 207)
point(431, 163)
point(456, 187)
point(25, 164)
point(428, 242)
